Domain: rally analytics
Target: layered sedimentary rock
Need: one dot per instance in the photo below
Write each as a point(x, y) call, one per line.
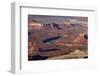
point(55, 39)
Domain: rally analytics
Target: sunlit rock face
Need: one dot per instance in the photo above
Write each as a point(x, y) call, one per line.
point(34, 25)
